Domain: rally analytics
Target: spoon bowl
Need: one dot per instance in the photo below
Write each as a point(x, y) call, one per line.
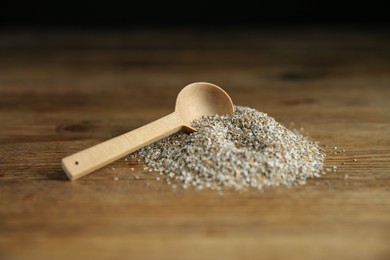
point(202, 99)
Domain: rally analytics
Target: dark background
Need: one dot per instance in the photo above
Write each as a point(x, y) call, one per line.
point(204, 14)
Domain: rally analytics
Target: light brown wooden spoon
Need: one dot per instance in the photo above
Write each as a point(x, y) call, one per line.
point(193, 102)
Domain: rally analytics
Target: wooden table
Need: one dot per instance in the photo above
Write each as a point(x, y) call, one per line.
point(61, 92)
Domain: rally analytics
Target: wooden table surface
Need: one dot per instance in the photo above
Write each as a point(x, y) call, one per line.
point(61, 92)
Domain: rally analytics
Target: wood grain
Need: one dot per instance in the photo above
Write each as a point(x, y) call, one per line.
point(62, 92)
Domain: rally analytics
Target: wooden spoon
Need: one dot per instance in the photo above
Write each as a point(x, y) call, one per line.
point(193, 102)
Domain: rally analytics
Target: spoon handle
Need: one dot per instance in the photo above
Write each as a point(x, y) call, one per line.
point(81, 163)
